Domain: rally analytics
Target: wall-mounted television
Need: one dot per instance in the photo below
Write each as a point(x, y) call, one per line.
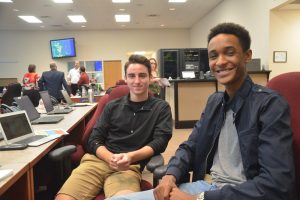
point(61, 48)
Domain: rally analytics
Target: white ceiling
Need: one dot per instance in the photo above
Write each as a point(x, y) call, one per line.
point(145, 14)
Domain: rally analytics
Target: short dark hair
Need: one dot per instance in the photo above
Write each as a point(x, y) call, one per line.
point(31, 68)
point(235, 29)
point(82, 69)
point(138, 59)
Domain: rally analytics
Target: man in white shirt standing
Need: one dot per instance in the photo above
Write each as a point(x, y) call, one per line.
point(73, 77)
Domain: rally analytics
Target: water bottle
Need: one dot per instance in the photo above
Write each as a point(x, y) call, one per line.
point(91, 95)
point(4, 90)
point(201, 76)
point(83, 92)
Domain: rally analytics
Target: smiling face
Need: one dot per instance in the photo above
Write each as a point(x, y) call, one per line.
point(227, 61)
point(138, 79)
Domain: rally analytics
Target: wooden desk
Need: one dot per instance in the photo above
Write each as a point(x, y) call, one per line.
point(188, 97)
point(21, 184)
point(79, 99)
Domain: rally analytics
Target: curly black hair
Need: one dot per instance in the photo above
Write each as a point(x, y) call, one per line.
point(235, 29)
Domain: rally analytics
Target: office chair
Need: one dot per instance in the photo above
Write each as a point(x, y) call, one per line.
point(13, 90)
point(33, 95)
point(288, 85)
point(81, 148)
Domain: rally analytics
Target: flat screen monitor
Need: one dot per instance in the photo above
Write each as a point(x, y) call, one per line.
point(61, 48)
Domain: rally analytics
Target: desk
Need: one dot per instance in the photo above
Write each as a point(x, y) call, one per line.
point(79, 99)
point(21, 184)
point(188, 97)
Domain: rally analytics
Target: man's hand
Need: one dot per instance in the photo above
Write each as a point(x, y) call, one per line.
point(120, 162)
point(162, 191)
point(176, 194)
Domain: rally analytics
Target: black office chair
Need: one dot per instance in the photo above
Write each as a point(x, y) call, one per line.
point(33, 95)
point(13, 90)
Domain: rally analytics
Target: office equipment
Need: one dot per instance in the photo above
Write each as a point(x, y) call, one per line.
point(61, 48)
point(13, 147)
point(25, 104)
point(23, 180)
point(70, 102)
point(16, 129)
point(253, 65)
point(188, 74)
point(49, 107)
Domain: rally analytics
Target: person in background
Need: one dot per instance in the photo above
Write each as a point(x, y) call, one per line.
point(54, 81)
point(84, 78)
point(130, 130)
point(243, 139)
point(30, 79)
point(155, 85)
point(73, 77)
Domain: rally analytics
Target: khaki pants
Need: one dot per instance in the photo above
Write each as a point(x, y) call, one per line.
point(93, 175)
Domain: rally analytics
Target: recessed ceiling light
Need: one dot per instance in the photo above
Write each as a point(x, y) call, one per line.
point(121, 9)
point(83, 26)
point(42, 26)
point(63, 1)
point(122, 18)
point(162, 25)
point(15, 10)
point(140, 52)
point(171, 9)
point(177, 1)
point(77, 18)
point(121, 1)
point(30, 19)
point(6, 1)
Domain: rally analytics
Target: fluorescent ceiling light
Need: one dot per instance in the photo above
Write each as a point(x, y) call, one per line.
point(122, 18)
point(77, 18)
point(63, 1)
point(177, 1)
point(6, 1)
point(121, 1)
point(30, 19)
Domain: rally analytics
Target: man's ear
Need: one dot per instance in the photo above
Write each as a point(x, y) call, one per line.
point(248, 55)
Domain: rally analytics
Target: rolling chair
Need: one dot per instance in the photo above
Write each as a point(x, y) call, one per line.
point(288, 85)
point(33, 95)
point(80, 149)
point(13, 90)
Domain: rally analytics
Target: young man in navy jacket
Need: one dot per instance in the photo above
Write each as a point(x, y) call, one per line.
point(243, 138)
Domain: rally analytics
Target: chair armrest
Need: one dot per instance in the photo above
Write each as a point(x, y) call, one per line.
point(62, 152)
point(159, 172)
point(154, 162)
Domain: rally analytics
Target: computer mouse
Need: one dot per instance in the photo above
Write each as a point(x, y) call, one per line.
point(13, 147)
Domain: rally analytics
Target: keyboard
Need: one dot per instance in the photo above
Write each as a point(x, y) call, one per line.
point(43, 140)
point(31, 139)
point(60, 111)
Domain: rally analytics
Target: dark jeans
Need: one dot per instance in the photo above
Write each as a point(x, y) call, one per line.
point(74, 88)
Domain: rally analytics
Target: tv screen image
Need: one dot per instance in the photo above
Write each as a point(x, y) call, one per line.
point(61, 48)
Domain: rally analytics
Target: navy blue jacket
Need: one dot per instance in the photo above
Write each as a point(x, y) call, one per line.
point(262, 121)
point(53, 81)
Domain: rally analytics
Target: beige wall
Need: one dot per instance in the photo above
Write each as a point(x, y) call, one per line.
point(252, 14)
point(19, 48)
point(285, 36)
point(270, 30)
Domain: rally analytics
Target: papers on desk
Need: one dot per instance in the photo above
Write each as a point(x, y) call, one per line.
point(51, 132)
point(4, 173)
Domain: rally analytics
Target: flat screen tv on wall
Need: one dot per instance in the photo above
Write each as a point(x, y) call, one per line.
point(61, 48)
